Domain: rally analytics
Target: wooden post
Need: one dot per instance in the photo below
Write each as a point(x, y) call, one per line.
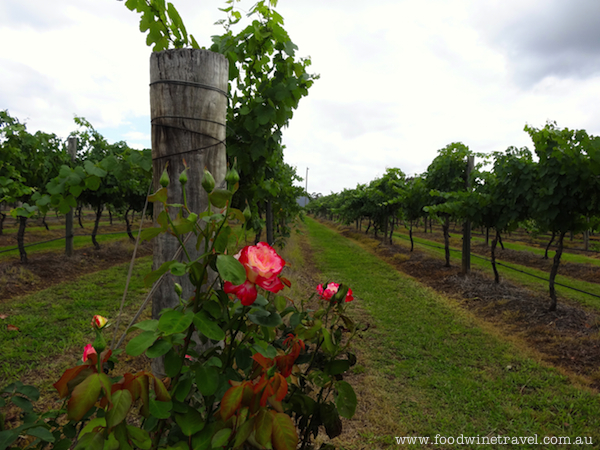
point(72, 148)
point(466, 250)
point(188, 108)
point(306, 188)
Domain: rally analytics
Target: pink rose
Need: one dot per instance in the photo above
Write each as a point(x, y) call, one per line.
point(263, 266)
point(87, 351)
point(330, 290)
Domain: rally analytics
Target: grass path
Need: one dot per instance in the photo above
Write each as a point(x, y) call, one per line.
point(54, 324)
point(443, 372)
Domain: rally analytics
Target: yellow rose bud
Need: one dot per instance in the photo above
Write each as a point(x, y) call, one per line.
point(99, 322)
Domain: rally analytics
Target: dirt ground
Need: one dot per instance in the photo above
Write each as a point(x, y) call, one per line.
point(48, 269)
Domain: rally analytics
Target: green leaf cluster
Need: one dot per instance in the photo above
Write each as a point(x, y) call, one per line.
point(38, 172)
point(163, 23)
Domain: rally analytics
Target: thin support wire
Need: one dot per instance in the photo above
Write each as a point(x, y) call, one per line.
point(137, 242)
point(151, 293)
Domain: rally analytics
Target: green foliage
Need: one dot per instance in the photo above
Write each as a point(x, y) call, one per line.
point(29, 161)
point(567, 185)
point(267, 82)
point(559, 193)
point(413, 198)
point(379, 201)
point(38, 172)
point(163, 23)
point(499, 199)
point(566, 190)
point(447, 172)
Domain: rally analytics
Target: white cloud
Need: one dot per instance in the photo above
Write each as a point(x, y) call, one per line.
point(399, 79)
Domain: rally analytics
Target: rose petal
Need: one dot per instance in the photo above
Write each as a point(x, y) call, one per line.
point(87, 351)
point(272, 285)
point(349, 296)
point(245, 292)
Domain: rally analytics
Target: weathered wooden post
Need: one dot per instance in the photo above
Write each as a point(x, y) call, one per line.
point(72, 149)
point(188, 107)
point(466, 250)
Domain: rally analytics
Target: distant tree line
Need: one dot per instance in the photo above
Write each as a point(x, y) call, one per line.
point(559, 192)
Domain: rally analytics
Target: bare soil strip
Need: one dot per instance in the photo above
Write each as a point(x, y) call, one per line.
point(51, 268)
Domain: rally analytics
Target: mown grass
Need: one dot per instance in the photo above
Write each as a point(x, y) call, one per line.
point(54, 226)
point(443, 373)
point(534, 283)
point(565, 257)
point(529, 242)
point(56, 320)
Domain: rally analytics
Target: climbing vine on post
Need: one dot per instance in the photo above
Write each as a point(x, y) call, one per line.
point(267, 82)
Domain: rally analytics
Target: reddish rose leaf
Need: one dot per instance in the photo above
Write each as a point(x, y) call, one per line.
point(64, 385)
point(84, 396)
point(144, 387)
point(264, 362)
point(280, 386)
point(285, 436)
point(231, 401)
point(106, 385)
point(162, 394)
point(130, 383)
point(263, 427)
point(12, 328)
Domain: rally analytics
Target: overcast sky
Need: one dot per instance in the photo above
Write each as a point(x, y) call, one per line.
point(400, 79)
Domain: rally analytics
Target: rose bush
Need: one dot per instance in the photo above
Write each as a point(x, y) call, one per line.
point(272, 378)
point(328, 291)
